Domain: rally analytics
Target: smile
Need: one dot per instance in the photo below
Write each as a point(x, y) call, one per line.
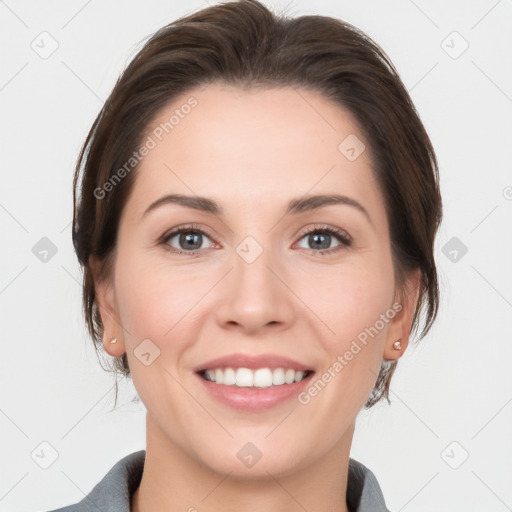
point(258, 378)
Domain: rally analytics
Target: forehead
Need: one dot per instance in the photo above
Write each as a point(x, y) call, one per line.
point(253, 145)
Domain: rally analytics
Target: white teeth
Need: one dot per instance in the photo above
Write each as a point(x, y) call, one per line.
point(260, 378)
point(244, 377)
point(229, 378)
point(278, 377)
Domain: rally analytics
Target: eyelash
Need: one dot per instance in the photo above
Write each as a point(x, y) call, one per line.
point(340, 235)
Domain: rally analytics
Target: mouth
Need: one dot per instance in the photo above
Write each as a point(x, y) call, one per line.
point(258, 378)
point(254, 390)
point(253, 383)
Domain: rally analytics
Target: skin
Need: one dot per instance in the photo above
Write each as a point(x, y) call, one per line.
point(252, 152)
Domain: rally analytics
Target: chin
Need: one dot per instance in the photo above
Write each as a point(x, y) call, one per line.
point(247, 461)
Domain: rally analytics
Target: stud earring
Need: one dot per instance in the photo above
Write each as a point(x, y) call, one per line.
point(397, 345)
point(113, 340)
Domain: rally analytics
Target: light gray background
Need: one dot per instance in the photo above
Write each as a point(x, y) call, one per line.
point(451, 394)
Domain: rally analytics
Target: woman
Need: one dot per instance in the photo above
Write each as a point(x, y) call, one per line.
point(256, 219)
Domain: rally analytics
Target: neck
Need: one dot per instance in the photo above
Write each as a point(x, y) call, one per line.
point(173, 481)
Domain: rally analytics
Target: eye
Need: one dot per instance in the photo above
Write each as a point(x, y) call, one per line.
point(189, 240)
point(322, 237)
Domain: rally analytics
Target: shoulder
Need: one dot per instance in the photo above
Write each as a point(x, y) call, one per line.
point(114, 491)
point(363, 490)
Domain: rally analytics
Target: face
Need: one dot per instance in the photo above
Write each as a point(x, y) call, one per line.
point(271, 279)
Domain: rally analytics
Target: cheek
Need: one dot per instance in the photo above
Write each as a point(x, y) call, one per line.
point(349, 299)
point(156, 302)
point(352, 305)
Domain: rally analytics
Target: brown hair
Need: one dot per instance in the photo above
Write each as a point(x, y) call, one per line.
point(242, 43)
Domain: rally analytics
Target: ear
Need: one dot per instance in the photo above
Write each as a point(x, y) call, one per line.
point(400, 326)
point(105, 299)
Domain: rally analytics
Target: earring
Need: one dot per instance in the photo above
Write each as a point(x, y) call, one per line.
point(397, 345)
point(113, 340)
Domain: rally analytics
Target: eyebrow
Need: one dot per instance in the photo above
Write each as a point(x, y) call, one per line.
point(295, 206)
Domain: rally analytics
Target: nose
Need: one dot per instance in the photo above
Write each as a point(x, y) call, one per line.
point(256, 294)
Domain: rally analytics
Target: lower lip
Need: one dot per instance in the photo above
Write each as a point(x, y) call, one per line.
point(251, 399)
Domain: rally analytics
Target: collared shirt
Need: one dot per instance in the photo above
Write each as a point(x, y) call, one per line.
point(114, 492)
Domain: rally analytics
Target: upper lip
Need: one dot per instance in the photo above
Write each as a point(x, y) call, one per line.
point(252, 362)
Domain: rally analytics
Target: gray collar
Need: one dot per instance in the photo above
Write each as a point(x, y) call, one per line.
point(114, 492)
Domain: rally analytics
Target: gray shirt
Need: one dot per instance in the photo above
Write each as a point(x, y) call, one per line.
point(114, 492)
